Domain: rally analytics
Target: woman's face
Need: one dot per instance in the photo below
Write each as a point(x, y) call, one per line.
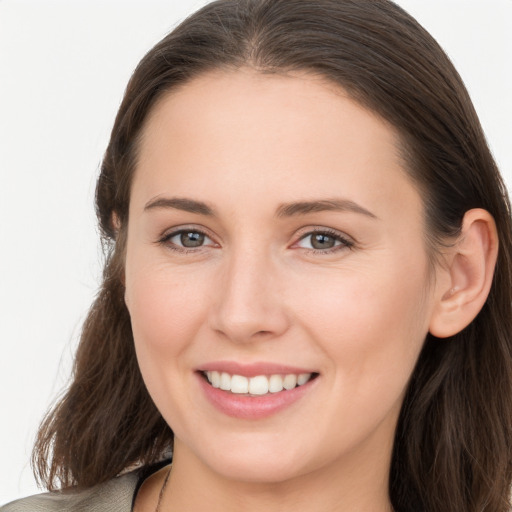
point(273, 236)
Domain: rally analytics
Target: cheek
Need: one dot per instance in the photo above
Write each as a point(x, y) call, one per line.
point(165, 310)
point(166, 313)
point(371, 325)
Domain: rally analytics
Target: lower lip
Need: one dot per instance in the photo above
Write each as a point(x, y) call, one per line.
point(252, 407)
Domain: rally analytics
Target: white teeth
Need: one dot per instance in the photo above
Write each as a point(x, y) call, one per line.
point(275, 383)
point(290, 381)
point(239, 384)
point(214, 378)
point(303, 378)
point(258, 385)
point(225, 381)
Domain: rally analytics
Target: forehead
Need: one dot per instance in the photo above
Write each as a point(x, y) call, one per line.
point(288, 136)
point(246, 96)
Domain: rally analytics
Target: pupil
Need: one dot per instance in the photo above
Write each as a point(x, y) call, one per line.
point(320, 241)
point(192, 239)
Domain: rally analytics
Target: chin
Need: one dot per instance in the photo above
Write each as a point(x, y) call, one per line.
point(261, 461)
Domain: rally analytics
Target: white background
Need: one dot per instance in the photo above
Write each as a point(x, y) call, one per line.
point(63, 69)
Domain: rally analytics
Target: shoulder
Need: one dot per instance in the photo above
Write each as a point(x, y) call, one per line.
point(116, 495)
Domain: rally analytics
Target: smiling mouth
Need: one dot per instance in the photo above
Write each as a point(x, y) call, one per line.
point(258, 385)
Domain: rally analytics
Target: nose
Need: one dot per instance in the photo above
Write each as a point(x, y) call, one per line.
point(249, 303)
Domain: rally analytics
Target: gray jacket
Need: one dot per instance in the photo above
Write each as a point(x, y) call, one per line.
point(115, 495)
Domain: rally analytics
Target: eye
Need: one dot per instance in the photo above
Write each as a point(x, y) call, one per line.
point(324, 240)
point(187, 239)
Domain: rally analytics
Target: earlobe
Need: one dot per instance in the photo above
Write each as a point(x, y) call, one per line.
point(468, 275)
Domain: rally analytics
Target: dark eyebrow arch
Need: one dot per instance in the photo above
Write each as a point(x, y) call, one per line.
point(322, 205)
point(180, 203)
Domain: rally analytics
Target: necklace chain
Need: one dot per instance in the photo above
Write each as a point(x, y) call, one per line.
point(162, 491)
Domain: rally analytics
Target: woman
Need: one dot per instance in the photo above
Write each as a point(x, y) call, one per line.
point(304, 283)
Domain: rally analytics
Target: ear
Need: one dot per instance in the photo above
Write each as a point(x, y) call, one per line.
point(116, 225)
point(467, 277)
point(116, 222)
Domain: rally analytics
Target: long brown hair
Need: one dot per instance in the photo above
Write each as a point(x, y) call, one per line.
point(453, 443)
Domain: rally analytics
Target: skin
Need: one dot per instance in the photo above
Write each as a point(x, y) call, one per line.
point(246, 143)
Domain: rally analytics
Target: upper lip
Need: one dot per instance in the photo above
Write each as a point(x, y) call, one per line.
point(253, 369)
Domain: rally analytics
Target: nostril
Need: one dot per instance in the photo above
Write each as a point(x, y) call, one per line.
point(262, 333)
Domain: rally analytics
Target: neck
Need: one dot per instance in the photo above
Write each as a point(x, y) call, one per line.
point(349, 487)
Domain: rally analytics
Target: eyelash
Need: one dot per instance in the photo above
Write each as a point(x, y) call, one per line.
point(166, 240)
point(344, 242)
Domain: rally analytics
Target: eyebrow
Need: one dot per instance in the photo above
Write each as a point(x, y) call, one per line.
point(284, 210)
point(322, 205)
point(180, 203)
